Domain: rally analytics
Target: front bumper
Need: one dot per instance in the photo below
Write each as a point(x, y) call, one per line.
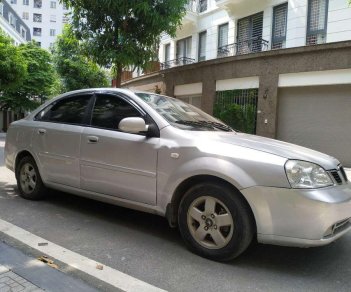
point(300, 217)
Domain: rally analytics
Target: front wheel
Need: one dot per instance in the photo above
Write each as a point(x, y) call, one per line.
point(215, 221)
point(29, 182)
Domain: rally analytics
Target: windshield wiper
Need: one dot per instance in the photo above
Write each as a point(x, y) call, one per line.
point(206, 124)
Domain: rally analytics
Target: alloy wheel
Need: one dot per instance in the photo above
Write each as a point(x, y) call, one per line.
point(28, 178)
point(210, 222)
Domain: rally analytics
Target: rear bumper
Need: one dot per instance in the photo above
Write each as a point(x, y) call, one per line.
point(302, 218)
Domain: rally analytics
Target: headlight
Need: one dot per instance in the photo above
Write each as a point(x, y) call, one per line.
point(306, 175)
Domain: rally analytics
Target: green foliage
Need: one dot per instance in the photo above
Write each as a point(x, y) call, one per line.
point(124, 33)
point(75, 69)
point(39, 83)
point(12, 64)
point(241, 117)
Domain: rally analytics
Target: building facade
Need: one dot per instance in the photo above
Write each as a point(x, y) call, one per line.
point(283, 66)
point(45, 18)
point(12, 24)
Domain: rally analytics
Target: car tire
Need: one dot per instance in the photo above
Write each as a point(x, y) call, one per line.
point(29, 182)
point(215, 221)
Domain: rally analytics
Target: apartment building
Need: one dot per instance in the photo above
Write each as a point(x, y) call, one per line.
point(45, 18)
point(285, 64)
point(12, 24)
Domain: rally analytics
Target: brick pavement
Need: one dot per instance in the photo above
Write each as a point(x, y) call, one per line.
point(11, 282)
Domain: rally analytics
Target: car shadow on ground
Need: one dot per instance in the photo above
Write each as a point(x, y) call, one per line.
point(299, 261)
point(318, 262)
point(135, 220)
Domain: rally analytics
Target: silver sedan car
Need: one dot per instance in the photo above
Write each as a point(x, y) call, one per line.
point(157, 154)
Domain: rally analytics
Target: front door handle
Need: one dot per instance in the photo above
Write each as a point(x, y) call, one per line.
point(41, 131)
point(93, 139)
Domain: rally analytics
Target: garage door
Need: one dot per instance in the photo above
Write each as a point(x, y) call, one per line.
point(318, 118)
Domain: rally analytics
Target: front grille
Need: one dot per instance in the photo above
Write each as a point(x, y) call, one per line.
point(336, 176)
point(339, 175)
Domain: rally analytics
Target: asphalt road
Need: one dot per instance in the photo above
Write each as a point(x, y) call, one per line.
point(143, 246)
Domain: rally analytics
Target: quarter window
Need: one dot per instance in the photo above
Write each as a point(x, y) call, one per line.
point(109, 110)
point(68, 111)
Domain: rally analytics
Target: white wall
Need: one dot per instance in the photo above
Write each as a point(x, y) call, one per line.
point(297, 23)
point(339, 21)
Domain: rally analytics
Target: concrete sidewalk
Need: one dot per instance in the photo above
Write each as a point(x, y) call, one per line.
point(19, 272)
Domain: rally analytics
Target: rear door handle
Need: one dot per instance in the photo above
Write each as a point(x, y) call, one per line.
point(41, 131)
point(93, 139)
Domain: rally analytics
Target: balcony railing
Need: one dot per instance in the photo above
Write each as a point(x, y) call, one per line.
point(253, 45)
point(177, 62)
point(196, 6)
point(191, 6)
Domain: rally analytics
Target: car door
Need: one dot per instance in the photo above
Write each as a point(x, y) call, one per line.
point(113, 162)
point(56, 139)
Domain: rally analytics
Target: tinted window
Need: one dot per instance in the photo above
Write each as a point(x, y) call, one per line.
point(109, 110)
point(69, 110)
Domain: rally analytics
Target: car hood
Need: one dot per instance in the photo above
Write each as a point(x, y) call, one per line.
point(276, 147)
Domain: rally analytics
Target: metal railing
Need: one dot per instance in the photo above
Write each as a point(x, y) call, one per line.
point(192, 6)
point(253, 45)
point(177, 62)
point(196, 6)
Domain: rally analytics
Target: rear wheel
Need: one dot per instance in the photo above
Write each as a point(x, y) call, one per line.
point(215, 221)
point(29, 182)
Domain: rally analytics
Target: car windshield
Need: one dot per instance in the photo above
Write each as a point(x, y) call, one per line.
point(182, 115)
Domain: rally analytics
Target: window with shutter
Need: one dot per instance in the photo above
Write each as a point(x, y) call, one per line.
point(202, 45)
point(317, 22)
point(184, 50)
point(167, 52)
point(280, 16)
point(223, 35)
point(202, 5)
point(249, 36)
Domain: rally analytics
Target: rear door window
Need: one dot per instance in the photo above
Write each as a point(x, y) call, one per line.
point(72, 110)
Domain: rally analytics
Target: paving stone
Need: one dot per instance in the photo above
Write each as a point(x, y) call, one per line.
point(11, 282)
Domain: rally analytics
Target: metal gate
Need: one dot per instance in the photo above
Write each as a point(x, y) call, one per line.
point(237, 108)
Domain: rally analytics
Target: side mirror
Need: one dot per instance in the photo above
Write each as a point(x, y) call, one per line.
point(133, 125)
